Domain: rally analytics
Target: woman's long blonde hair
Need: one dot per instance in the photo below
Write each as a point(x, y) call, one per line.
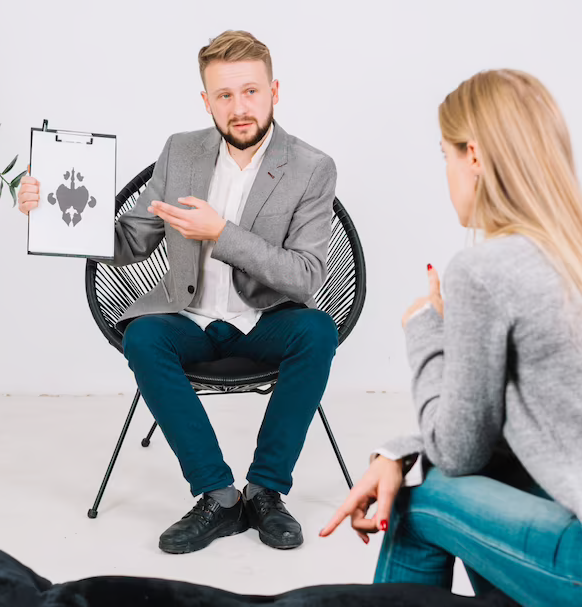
point(529, 184)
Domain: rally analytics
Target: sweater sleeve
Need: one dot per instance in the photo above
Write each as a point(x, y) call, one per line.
point(459, 374)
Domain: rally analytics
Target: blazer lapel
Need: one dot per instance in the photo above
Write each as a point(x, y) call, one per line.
point(269, 175)
point(203, 164)
point(202, 168)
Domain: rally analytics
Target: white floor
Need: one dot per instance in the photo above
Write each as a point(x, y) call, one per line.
point(54, 451)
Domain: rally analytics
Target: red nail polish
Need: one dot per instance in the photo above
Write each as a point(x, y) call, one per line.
point(429, 267)
point(384, 525)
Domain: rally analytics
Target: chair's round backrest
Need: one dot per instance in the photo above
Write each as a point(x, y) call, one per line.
point(111, 290)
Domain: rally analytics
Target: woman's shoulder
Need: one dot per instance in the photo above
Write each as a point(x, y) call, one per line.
point(498, 258)
point(508, 268)
point(511, 270)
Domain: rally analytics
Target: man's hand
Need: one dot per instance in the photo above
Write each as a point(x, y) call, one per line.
point(201, 222)
point(28, 195)
point(380, 483)
point(434, 297)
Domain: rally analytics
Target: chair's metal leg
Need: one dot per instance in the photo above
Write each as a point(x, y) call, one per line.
point(145, 442)
point(340, 459)
point(93, 511)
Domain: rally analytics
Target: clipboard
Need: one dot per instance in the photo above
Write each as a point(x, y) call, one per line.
point(75, 216)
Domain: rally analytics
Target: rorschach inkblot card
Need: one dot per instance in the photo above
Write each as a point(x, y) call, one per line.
point(76, 211)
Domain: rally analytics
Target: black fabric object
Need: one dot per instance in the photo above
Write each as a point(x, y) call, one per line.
point(21, 587)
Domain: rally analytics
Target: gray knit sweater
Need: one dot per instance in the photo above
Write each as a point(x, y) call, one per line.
point(505, 362)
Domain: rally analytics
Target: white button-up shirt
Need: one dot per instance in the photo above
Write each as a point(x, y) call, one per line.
point(216, 298)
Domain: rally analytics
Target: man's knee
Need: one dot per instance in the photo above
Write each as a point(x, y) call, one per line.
point(141, 336)
point(318, 330)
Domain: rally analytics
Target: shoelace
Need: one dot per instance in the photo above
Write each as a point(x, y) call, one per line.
point(201, 511)
point(269, 499)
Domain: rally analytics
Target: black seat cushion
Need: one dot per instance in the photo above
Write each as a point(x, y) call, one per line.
point(231, 372)
point(21, 587)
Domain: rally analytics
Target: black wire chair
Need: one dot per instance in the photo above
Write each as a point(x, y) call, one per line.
point(111, 290)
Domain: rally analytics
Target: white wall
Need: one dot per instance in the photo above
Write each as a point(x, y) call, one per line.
point(360, 80)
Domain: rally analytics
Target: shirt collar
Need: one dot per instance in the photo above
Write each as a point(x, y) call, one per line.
point(257, 157)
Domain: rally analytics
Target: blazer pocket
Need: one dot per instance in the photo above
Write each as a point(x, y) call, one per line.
point(266, 214)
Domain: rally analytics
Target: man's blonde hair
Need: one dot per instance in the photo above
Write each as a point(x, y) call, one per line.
point(234, 46)
point(529, 184)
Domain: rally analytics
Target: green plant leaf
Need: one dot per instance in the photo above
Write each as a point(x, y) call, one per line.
point(10, 165)
point(16, 181)
point(13, 192)
point(1, 186)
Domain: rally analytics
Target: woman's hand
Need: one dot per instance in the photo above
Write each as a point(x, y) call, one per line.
point(381, 483)
point(434, 297)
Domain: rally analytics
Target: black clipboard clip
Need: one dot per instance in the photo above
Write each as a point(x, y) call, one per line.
point(69, 136)
point(74, 137)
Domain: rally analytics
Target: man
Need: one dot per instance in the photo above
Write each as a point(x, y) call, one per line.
point(246, 211)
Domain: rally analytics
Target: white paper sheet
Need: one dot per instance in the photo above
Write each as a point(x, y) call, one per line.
point(76, 211)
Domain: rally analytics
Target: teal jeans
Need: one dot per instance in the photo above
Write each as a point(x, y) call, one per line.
point(513, 537)
point(301, 341)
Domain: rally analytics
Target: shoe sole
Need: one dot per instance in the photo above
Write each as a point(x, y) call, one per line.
point(272, 542)
point(195, 546)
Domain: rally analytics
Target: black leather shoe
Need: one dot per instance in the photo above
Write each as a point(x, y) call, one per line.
point(207, 521)
point(276, 527)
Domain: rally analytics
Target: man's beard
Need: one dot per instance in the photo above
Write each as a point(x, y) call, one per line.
point(247, 143)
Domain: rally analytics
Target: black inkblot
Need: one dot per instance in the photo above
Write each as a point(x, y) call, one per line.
point(72, 201)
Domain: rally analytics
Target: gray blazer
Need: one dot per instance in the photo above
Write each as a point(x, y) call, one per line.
point(278, 252)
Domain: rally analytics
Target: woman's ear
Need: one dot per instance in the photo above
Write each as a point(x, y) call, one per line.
point(474, 158)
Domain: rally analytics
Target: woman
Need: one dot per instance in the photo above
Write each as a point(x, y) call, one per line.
point(497, 379)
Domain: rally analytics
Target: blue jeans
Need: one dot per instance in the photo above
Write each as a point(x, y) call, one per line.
point(301, 341)
point(515, 538)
